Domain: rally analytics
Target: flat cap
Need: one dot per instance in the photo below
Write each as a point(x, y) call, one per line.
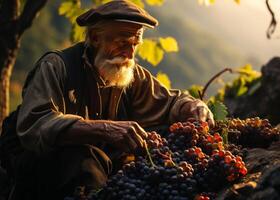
point(118, 10)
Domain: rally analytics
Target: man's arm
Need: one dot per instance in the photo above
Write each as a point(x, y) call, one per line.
point(153, 104)
point(124, 135)
point(42, 113)
point(43, 125)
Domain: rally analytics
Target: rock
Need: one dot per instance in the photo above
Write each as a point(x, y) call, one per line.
point(264, 102)
point(271, 178)
point(263, 179)
point(267, 194)
point(245, 188)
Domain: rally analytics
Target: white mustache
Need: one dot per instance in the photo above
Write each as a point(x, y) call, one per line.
point(118, 60)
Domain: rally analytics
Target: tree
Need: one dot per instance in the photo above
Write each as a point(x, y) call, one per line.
point(15, 17)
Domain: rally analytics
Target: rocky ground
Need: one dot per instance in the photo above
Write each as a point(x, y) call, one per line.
point(263, 179)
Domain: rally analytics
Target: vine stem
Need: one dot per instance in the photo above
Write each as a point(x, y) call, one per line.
point(148, 154)
point(202, 94)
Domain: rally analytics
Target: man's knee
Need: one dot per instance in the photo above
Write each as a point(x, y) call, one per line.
point(85, 165)
point(61, 171)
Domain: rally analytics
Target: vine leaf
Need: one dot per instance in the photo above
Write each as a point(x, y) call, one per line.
point(169, 44)
point(71, 10)
point(139, 3)
point(150, 51)
point(155, 2)
point(194, 90)
point(77, 33)
point(163, 78)
point(218, 109)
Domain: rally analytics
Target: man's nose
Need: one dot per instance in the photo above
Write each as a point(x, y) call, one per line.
point(129, 53)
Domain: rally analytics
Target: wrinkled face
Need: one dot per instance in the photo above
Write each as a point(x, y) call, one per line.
point(116, 51)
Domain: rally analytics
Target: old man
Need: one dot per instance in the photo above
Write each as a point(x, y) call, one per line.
point(91, 103)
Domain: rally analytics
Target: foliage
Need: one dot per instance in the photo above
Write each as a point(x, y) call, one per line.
point(71, 9)
point(169, 44)
point(153, 50)
point(246, 83)
point(141, 3)
point(163, 78)
point(218, 109)
point(194, 90)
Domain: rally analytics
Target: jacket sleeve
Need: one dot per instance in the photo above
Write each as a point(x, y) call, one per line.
point(152, 103)
point(42, 114)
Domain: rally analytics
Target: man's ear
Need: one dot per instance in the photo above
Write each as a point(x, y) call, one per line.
point(94, 38)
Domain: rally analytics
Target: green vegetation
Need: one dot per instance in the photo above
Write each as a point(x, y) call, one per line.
point(200, 54)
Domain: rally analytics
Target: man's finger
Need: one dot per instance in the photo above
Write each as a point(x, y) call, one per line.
point(141, 131)
point(202, 113)
point(210, 119)
point(131, 144)
point(134, 139)
point(138, 139)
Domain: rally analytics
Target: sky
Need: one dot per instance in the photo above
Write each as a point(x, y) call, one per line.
point(243, 26)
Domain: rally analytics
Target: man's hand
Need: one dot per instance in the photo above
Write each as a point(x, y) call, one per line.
point(198, 110)
point(125, 135)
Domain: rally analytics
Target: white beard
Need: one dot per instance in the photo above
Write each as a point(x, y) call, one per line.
point(118, 71)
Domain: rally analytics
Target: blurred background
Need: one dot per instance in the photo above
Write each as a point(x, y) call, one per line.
point(210, 38)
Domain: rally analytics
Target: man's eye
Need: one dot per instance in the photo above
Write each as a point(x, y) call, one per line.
point(122, 43)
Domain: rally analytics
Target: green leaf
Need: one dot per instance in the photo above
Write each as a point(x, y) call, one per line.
point(71, 10)
point(77, 33)
point(150, 51)
point(218, 109)
point(257, 84)
point(194, 89)
point(65, 8)
point(163, 78)
point(139, 3)
point(155, 2)
point(100, 2)
point(248, 70)
point(242, 87)
point(169, 44)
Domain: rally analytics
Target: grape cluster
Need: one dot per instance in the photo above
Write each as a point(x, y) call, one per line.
point(192, 162)
point(186, 134)
point(251, 132)
point(222, 167)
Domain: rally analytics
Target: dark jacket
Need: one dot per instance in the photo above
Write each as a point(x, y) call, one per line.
point(50, 105)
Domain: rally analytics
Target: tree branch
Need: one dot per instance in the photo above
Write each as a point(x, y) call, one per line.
point(29, 13)
point(202, 94)
point(9, 10)
point(273, 22)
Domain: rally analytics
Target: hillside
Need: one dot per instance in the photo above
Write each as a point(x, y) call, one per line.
point(201, 54)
